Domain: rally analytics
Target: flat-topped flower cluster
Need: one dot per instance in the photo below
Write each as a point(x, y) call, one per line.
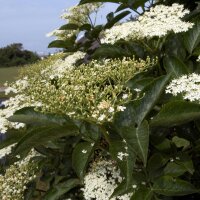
point(94, 91)
point(157, 22)
point(78, 15)
point(187, 85)
point(17, 176)
point(101, 180)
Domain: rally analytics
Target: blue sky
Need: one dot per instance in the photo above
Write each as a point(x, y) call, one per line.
point(28, 21)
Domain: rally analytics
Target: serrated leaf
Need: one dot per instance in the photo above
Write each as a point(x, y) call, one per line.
point(108, 51)
point(169, 186)
point(137, 138)
point(41, 135)
point(143, 193)
point(176, 113)
point(68, 43)
point(113, 20)
point(62, 188)
point(30, 116)
point(101, 1)
point(174, 169)
point(152, 94)
point(127, 163)
point(11, 137)
point(174, 66)
point(81, 156)
point(192, 38)
point(90, 132)
point(69, 27)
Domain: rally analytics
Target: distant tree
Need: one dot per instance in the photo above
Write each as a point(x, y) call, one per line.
point(15, 55)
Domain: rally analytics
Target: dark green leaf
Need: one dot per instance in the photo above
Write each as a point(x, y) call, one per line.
point(57, 191)
point(62, 43)
point(85, 27)
point(127, 163)
point(81, 157)
point(180, 142)
point(170, 186)
point(90, 132)
point(174, 169)
point(137, 138)
point(92, 1)
point(108, 51)
point(175, 113)
point(192, 38)
point(113, 20)
point(41, 135)
point(11, 137)
point(30, 116)
point(185, 161)
point(143, 193)
point(152, 93)
point(69, 27)
point(174, 66)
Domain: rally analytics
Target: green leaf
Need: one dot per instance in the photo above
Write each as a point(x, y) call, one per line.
point(180, 142)
point(69, 27)
point(174, 169)
point(90, 132)
point(192, 38)
point(30, 116)
point(137, 138)
point(12, 136)
point(57, 191)
point(62, 43)
point(185, 161)
point(108, 51)
point(101, 1)
point(174, 66)
point(169, 186)
point(176, 113)
point(81, 156)
point(152, 93)
point(155, 165)
point(41, 135)
point(143, 193)
point(113, 20)
point(127, 163)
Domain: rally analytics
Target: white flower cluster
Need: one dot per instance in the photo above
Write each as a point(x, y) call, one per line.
point(62, 65)
point(101, 181)
point(187, 85)
point(78, 15)
point(7, 150)
point(11, 106)
point(17, 176)
point(158, 21)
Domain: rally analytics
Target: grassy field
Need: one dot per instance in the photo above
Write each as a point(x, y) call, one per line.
point(8, 74)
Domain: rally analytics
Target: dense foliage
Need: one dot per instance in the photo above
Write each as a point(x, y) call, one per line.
point(116, 116)
point(15, 55)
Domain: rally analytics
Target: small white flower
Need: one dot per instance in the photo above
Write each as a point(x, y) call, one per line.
point(124, 96)
point(111, 109)
point(134, 186)
point(121, 155)
point(102, 117)
point(84, 151)
point(198, 59)
point(121, 108)
point(137, 90)
point(92, 144)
